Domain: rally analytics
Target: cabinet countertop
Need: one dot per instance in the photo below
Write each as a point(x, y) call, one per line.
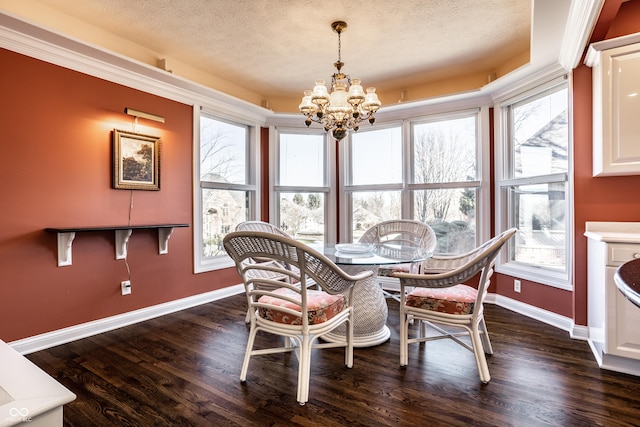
point(613, 232)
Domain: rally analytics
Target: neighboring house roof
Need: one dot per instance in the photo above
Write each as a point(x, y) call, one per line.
point(554, 137)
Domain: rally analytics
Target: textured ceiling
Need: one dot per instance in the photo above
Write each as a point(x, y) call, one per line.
point(275, 47)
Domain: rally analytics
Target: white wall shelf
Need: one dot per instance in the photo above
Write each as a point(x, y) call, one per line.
point(122, 235)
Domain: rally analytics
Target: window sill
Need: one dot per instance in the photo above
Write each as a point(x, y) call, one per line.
point(540, 275)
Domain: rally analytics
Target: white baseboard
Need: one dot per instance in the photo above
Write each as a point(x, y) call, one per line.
point(612, 362)
point(72, 333)
point(548, 317)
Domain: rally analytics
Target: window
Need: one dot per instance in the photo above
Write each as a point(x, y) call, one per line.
point(445, 180)
point(302, 188)
point(375, 178)
point(534, 189)
point(427, 169)
point(227, 191)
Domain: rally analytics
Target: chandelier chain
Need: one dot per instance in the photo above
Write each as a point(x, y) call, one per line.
point(339, 47)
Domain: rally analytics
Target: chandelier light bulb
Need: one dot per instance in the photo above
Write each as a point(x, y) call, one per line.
point(320, 96)
point(346, 106)
point(356, 94)
point(371, 101)
point(307, 107)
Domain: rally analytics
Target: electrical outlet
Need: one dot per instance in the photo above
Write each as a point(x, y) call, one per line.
point(516, 286)
point(125, 285)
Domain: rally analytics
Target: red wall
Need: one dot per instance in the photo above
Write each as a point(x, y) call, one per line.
point(626, 20)
point(55, 171)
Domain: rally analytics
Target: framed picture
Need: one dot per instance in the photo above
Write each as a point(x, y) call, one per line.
point(136, 161)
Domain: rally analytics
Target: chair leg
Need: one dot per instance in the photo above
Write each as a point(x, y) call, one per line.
point(304, 370)
point(247, 318)
point(348, 351)
point(247, 353)
point(478, 352)
point(404, 338)
point(486, 342)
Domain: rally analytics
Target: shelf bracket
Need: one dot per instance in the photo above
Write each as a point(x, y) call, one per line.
point(163, 240)
point(65, 241)
point(122, 234)
point(122, 240)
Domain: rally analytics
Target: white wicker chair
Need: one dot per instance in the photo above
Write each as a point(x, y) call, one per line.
point(267, 228)
point(439, 297)
point(400, 231)
point(260, 226)
point(298, 314)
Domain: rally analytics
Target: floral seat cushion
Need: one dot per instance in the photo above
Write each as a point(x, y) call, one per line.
point(321, 306)
point(458, 299)
point(388, 270)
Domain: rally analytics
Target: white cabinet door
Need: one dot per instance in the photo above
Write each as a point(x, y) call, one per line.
point(616, 109)
point(623, 318)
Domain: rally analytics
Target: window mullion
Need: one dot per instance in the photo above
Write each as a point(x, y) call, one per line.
point(532, 180)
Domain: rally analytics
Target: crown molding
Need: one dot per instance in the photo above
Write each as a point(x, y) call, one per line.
point(583, 16)
point(29, 39)
point(593, 53)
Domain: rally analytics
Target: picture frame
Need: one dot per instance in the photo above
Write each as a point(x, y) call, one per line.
point(136, 161)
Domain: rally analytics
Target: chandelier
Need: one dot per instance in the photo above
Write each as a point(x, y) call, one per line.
point(346, 106)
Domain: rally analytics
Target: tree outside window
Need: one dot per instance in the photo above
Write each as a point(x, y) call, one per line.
point(445, 181)
point(225, 189)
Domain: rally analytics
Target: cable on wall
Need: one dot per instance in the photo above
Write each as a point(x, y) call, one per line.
point(126, 263)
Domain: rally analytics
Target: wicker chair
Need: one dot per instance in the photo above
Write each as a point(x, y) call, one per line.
point(260, 226)
point(402, 231)
point(267, 228)
point(291, 310)
point(439, 298)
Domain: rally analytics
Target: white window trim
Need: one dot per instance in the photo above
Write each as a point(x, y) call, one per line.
point(328, 189)
point(537, 274)
point(202, 263)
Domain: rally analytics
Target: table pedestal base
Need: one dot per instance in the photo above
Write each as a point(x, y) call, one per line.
point(370, 311)
point(379, 337)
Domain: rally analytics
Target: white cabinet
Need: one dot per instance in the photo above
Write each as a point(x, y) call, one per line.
point(614, 335)
point(28, 395)
point(616, 105)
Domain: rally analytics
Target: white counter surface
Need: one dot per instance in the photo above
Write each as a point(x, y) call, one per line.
point(31, 395)
point(613, 232)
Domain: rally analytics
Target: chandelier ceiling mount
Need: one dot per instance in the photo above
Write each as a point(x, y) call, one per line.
point(346, 106)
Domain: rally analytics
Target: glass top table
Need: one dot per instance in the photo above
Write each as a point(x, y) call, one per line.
point(369, 304)
point(370, 255)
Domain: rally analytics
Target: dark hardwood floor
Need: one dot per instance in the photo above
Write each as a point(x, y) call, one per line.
point(183, 369)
